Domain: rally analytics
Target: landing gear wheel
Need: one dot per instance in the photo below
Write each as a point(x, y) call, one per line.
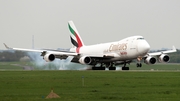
point(125, 68)
point(98, 68)
point(102, 68)
point(112, 68)
point(95, 68)
point(139, 65)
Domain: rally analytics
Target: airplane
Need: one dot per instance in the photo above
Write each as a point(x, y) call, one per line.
point(105, 55)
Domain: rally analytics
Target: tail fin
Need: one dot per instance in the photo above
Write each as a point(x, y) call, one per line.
point(74, 35)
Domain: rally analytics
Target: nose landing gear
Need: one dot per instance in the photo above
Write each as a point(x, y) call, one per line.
point(139, 62)
point(139, 65)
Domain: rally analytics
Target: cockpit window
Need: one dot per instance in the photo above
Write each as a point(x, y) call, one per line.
point(140, 38)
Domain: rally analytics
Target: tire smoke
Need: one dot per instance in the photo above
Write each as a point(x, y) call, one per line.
point(39, 63)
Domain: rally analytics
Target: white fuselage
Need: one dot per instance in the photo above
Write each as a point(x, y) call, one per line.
point(128, 48)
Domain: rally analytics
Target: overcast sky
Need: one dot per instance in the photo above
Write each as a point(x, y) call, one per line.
point(97, 21)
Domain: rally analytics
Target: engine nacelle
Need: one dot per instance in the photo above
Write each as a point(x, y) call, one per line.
point(49, 57)
point(85, 60)
point(150, 60)
point(163, 58)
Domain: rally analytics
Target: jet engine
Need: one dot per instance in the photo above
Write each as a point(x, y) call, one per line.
point(49, 57)
point(150, 60)
point(163, 58)
point(86, 60)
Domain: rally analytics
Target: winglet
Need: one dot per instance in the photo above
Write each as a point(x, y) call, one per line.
point(174, 48)
point(7, 46)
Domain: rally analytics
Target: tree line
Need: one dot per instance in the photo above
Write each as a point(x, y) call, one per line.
point(11, 56)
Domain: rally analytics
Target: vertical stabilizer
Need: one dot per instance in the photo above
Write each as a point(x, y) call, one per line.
point(74, 35)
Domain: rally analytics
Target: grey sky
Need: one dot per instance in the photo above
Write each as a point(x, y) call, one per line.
point(97, 21)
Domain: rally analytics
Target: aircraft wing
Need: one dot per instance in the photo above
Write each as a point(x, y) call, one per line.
point(44, 52)
point(162, 52)
point(59, 53)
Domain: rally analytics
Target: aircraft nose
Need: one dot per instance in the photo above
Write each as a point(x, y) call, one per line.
point(143, 48)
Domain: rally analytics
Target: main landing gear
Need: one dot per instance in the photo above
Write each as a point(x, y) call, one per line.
point(110, 66)
point(124, 67)
point(139, 62)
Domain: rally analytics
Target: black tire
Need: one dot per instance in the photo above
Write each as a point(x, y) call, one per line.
point(139, 65)
point(125, 68)
point(94, 68)
point(112, 68)
point(102, 68)
point(98, 68)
